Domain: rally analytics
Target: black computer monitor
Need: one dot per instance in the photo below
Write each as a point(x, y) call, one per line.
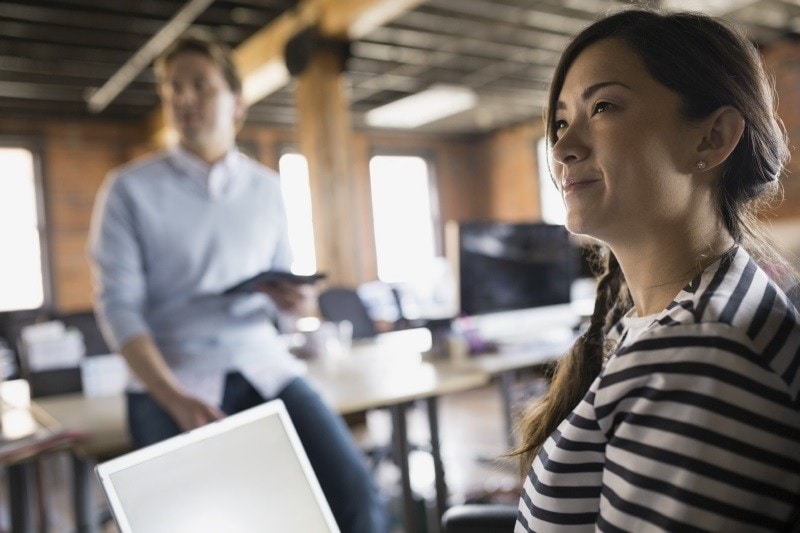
point(504, 266)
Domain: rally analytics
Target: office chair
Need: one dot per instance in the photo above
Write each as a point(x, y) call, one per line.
point(479, 518)
point(339, 303)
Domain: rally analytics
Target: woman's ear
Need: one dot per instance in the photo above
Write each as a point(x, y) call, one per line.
point(722, 131)
point(240, 110)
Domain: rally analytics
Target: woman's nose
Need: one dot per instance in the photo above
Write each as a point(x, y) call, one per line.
point(571, 146)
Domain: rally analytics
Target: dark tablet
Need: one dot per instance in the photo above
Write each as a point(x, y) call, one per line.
point(272, 276)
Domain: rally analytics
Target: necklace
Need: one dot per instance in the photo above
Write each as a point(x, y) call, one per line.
point(699, 268)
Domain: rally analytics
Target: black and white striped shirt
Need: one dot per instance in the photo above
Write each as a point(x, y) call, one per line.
point(693, 425)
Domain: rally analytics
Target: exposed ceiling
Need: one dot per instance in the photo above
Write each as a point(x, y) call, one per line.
point(54, 52)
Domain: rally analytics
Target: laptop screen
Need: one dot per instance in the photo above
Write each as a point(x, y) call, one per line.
point(247, 472)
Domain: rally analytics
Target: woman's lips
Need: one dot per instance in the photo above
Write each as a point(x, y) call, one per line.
point(571, 185)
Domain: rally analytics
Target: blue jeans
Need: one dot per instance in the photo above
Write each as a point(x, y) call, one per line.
point(337, 462)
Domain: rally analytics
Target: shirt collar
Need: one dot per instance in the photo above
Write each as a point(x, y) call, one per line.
point(214, 178)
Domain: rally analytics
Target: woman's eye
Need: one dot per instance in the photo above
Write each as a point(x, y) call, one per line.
point(559, 125)
point(599, 107)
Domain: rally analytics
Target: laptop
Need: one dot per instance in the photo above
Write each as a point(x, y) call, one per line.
point(247, 472)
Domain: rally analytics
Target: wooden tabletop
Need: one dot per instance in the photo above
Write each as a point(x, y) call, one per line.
point(101, 420)
point(359, 384)
point(384, 372)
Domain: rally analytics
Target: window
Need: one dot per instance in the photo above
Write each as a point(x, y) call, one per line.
point(296, 190)
point(21, 275)
point(404, 221)
point(553, 210)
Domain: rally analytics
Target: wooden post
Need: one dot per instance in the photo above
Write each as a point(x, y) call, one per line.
point(325, 137)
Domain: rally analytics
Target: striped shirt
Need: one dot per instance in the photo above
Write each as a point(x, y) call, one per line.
point(692, 425)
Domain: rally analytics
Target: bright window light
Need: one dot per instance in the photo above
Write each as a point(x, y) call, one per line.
point(553, 210)
point(21, 282)
point(401, 210)
point(297, 198)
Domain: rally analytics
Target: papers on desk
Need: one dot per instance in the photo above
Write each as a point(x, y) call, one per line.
point(521, 354)
point(546, 347)
point(103, 375)
point(521, 325)
point(50, 346)
point(552, 338)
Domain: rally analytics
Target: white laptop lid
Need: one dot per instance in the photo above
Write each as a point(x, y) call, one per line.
point(247, 472)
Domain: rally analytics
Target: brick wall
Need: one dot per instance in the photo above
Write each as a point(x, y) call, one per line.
point(487, 177)
point(782, 59)
point(76, 155)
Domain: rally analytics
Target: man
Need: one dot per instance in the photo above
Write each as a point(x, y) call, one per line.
point(169, 234)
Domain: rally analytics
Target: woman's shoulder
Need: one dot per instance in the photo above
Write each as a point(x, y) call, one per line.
point(736, 297)
point(716, 350)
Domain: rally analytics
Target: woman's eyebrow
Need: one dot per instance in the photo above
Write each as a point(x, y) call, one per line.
point(591, 89)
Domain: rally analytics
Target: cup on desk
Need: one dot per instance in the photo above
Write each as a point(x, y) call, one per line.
point(457, 348)
point(332, 341)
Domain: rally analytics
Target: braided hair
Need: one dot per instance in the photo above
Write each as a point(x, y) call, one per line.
point(709, 65)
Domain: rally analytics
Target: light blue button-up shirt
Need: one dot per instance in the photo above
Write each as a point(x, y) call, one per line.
point(169, 234)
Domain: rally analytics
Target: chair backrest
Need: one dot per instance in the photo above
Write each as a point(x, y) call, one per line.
point(480, 518)
point(340, 303)
point(381, 301)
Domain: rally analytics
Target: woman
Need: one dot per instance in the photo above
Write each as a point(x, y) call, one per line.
point(678, 408)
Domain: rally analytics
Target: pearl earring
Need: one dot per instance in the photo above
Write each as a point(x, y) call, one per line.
point(701, 165)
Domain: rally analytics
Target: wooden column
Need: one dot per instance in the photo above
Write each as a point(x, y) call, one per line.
point(325, 137)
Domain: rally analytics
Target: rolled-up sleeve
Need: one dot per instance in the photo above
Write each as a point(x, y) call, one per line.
point(118, 272)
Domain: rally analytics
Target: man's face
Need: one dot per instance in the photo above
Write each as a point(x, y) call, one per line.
point(199, 103)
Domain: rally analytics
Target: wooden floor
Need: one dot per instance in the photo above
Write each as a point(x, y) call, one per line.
point(472, 436)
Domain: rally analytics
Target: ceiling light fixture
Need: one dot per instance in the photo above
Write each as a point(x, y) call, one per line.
point(432, 104)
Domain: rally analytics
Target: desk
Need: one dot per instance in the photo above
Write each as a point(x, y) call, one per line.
point(503, 366)
point(385, 373)
point(32, 435)
point(102, 422)
point(526, 338)
point(379, 378)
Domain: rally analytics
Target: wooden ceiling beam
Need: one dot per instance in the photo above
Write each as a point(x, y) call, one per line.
point(353, 19)
point(261, 57)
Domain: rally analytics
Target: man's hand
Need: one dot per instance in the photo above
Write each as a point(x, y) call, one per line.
point(292, 298)
point(146, 361)
point(190, 412)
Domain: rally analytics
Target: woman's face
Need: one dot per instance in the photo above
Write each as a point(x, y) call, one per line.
point(624, 157)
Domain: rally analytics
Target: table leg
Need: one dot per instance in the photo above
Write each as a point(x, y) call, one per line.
point(436, 452)
point(20, 484)
point(506, 383)
point(41, 498)
point(401, 449)
point(85, 516)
